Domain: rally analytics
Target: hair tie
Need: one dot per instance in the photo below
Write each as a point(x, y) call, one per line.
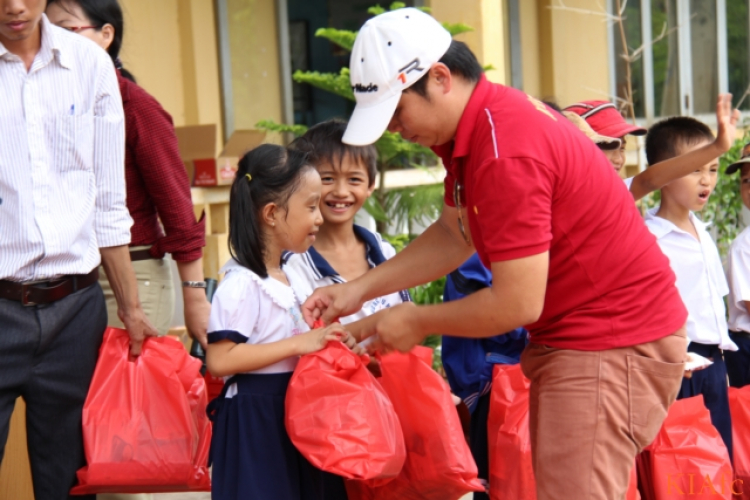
point(249, 177)
point(118, 63)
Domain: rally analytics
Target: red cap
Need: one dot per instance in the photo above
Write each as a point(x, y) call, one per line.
point(605, 119)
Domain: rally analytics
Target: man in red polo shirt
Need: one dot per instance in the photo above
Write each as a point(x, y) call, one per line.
point(571, 259)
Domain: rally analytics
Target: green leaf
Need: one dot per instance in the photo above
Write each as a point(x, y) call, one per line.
point(397, 5)
point(342, 38)
point(375, 209)
point(488, 67)
point(376, 10)
point(331, 82)
point(272, 126)
point(457, 28)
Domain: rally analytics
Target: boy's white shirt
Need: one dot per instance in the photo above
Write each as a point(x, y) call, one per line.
point(700, 278)
point(628, 182)
point(738, 274)
point(306, 277)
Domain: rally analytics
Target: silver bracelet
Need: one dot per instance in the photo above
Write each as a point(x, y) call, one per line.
point(194, 284)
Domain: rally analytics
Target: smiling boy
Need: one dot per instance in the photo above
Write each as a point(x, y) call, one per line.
point(343, 251)
point(695, 261)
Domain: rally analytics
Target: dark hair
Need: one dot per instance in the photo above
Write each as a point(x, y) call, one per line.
point(274, 175)
point(460, 60)
point(667, 136)
point(323, 143)
point(101, 12)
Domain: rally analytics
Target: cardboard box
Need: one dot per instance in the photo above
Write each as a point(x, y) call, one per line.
point(198, 151)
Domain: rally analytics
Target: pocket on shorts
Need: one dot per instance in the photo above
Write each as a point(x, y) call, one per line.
point(652, 388)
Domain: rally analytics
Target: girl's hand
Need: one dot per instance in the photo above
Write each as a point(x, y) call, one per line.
point(316, 339)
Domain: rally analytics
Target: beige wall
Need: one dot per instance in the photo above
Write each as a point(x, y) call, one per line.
point(565, 53)
point(570, 59)
point(170, 47)
point(256, 80)
point(488, 40)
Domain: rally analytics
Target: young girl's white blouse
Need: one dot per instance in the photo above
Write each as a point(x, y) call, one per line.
point(249, 309)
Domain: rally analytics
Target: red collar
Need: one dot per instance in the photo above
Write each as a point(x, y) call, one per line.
point(460, 145)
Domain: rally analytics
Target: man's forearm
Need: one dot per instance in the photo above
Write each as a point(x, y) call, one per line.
point(117, 265)
point(433, 254)
point(515, 299)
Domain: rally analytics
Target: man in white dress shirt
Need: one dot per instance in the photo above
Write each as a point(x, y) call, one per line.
point(695, 261)
point(62, 212)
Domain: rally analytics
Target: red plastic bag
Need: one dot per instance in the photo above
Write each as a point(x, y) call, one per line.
point(145, 428)
point(511, 472)
point(439, 464)
point(340, 419)
point(688, 458)
point(739, 406)
point(214, 386)
point(633, 493)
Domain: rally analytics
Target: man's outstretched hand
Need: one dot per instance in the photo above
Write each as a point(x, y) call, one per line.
point(331, 302)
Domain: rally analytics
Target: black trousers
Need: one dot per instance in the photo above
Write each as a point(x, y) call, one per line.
point(478, 440)
point(47, 357)
point(738, 362)
point(711, 383)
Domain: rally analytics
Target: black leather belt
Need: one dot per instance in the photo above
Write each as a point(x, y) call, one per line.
point(31, 293)
point(143, 254)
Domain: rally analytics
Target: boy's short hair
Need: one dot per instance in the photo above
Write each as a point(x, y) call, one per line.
point(460, 60)
point(322, 143)
point(666, 137)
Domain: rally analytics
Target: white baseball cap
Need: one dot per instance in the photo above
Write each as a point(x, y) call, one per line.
point(391, 52)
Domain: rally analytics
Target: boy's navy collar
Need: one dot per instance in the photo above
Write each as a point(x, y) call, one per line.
point(374, 253)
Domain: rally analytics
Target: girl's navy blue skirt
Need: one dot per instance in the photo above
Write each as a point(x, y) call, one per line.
point(252, 455)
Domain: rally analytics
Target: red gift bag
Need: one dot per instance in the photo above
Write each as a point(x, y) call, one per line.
point(633, 493)
point(340, 419)
point(511, 473)
point(439, 464)
point(688, 458)
point(739, 406)
point(145, 428)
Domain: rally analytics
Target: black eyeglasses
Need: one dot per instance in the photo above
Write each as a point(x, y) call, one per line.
point(457, 190)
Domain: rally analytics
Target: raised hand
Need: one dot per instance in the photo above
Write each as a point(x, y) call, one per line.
point(726, 121)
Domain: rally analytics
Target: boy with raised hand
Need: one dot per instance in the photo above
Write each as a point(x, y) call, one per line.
point(608, 125)
point(738, 274)
point(695, 261)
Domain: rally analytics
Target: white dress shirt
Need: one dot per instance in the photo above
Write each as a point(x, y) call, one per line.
point(738, 275)
point(700, 278)
point(62, 170)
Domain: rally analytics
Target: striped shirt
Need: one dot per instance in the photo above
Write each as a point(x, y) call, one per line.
point(62, 182)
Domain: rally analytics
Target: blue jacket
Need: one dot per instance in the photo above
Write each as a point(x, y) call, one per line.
point(468, 362)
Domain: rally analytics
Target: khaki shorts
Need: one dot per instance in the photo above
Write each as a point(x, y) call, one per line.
point(591, 412)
